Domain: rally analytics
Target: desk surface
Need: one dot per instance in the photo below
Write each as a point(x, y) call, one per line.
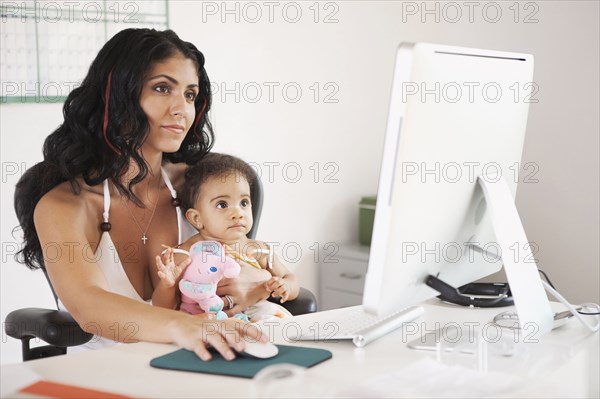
point(563, 363)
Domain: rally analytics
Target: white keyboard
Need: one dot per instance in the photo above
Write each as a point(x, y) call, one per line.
point(352, 323)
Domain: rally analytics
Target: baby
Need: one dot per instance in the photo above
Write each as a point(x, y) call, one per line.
point(216, 199)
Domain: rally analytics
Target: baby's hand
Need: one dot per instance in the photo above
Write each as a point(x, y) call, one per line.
point(278, 287)
point(168, 271)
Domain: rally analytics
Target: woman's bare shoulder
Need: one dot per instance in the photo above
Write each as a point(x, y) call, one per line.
point(64, 203)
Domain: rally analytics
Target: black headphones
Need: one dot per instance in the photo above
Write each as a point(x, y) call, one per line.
point(467, 294)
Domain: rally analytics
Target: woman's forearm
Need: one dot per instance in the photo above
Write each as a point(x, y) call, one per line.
point(123, 319)
point(165, 297)
point(127, 320)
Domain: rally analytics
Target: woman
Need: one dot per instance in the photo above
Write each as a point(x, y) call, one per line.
point(96, 211)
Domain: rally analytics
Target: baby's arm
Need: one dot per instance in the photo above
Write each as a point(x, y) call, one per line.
point(165, 292)
point(283, 283)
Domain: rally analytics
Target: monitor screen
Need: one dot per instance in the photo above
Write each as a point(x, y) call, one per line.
point(456, 114)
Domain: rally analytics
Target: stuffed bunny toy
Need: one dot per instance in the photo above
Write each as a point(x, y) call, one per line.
point(198, 285)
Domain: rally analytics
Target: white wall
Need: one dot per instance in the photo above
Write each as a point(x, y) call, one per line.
point(23, 128)
point(355, 55)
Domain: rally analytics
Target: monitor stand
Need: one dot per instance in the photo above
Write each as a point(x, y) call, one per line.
point(532, 305)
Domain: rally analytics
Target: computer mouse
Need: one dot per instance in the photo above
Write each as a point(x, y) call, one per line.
point(259, 350)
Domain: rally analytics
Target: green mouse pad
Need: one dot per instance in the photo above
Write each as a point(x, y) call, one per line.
point(246, 367)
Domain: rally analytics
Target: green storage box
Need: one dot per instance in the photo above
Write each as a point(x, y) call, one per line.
point(366, 217)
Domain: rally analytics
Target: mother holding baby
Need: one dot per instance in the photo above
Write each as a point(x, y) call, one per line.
point(105, 195)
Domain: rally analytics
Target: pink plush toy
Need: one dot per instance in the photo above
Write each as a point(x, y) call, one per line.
point(199, 283)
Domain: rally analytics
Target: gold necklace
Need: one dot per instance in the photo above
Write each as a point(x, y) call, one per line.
point(144, 235)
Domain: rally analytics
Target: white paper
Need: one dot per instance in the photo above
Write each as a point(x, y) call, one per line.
point(16, 377)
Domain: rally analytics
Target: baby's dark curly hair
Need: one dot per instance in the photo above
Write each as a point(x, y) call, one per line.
point(214, 164)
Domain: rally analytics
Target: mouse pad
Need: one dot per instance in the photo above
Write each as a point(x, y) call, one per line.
point(245, 367)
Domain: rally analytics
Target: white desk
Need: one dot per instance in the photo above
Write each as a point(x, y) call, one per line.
point(563, 364)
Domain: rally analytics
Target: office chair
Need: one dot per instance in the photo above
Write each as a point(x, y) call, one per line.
point(59, 330)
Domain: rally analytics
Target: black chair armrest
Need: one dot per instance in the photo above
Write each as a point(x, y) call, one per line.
point(56, 327)
point(306, 302)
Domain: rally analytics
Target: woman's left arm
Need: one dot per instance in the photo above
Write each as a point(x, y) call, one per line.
point(246, 289)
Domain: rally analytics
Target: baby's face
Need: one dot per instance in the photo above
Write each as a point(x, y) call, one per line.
point(224, 207)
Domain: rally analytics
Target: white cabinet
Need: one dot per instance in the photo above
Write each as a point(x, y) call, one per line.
point(342, 277)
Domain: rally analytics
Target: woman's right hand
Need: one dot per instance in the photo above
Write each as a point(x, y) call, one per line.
point(197, 333)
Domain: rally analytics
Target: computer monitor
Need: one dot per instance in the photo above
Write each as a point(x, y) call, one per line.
point(449, 175)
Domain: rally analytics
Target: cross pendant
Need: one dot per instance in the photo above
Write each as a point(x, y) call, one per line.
point(144, 238)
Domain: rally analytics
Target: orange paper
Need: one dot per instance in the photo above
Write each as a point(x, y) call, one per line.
point(56, 390)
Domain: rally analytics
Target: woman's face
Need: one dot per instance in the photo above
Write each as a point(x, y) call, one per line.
point(167, 99)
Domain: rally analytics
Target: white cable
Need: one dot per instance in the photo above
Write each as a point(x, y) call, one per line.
point(556, 295)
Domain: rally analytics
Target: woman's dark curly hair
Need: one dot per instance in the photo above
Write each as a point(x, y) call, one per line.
point(79, 148)
point(214, 164)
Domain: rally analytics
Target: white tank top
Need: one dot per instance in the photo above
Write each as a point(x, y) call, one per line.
point(108, 261)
